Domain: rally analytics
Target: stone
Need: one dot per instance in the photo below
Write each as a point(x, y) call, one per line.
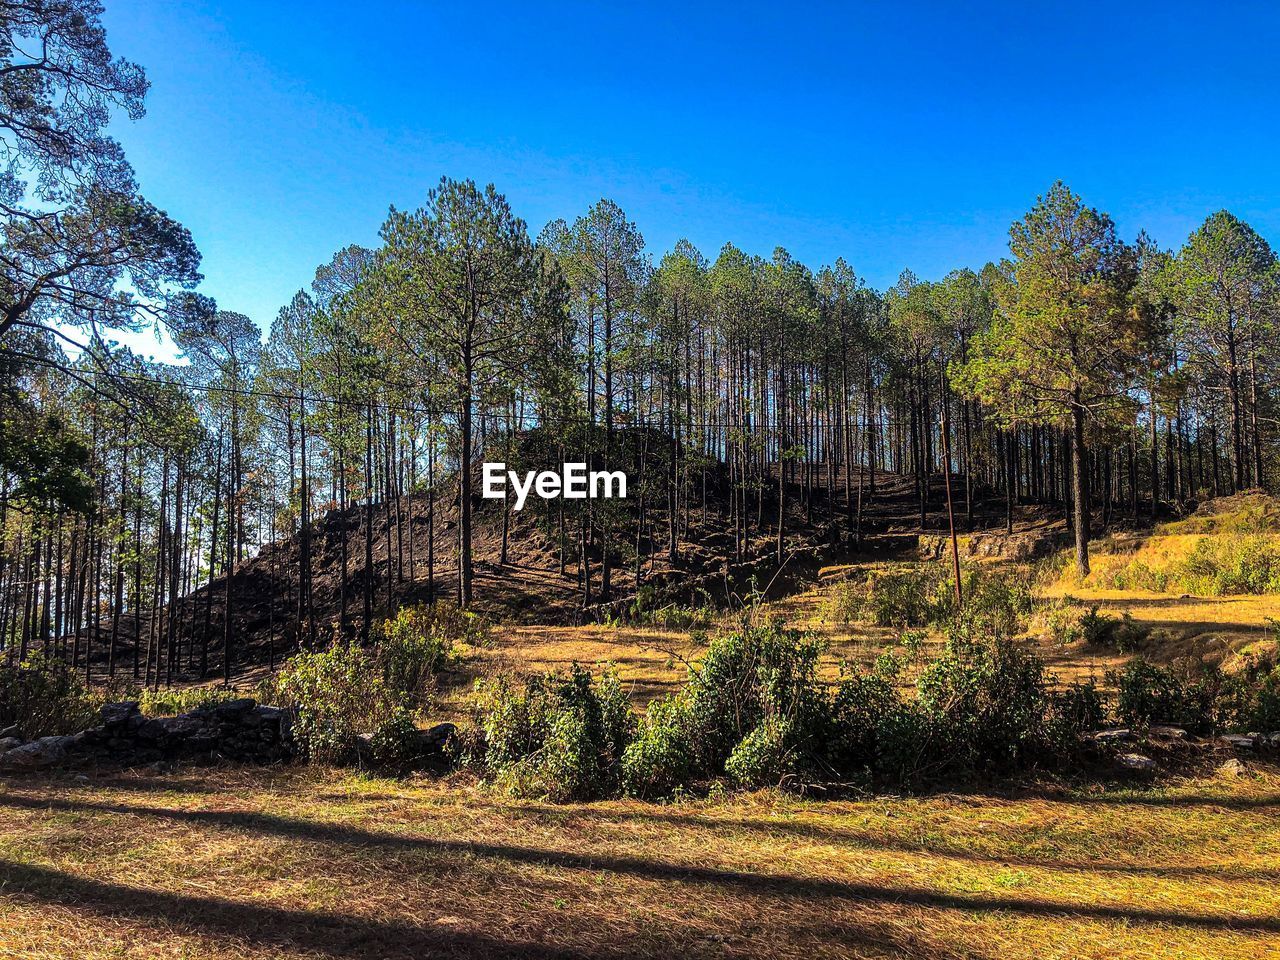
point(234, 710)
point(179, 728)
point(1113, 735)
point(1234, 767)
point(151, 730)
point(1167, 732)
point(239, 730)
point(36, 755)
point(438, 737)
point(1135, 763)
point(118, 714)
point(1239, 741)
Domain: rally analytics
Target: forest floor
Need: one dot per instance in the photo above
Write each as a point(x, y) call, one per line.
point(316, 863)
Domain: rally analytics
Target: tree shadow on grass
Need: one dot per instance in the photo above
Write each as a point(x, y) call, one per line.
point(759, 884)
point(327, 934)
point(865, 840)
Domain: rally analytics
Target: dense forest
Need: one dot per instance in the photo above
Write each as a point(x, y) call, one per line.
point(1108, 380)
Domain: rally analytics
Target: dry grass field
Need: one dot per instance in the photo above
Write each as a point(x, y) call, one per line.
point(315, 863)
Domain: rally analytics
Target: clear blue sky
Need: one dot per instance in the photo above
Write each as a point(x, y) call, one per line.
point(895, 134)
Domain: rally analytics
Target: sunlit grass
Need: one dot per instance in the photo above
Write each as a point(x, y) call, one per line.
point(308, 863)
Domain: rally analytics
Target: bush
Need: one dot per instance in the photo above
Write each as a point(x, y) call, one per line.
point(1232, 564)
point(1149, 694)
point(661, 756)
point(1229, 561)
point(845, 602)
point(1261, 710)
point(765, 757)
point(338, 694)
point(757, 712)
point(875, 730)
point(915, 597)
point(755, 700)
point(996, 605)
point(414, 645)
point(173, 701)
point(672, 616)
point(1074, 711)
point(984, 705)
point(396, 744)
point(43, 697)
point(561, 737)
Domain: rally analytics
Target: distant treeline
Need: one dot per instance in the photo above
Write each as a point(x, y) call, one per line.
point(1083, 371)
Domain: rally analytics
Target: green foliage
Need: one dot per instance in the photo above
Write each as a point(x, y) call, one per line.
point(915, 597)
point(672, 616)
point(985, 704)
point(661, 755)
point(172, 701)
point(1230, 561)
point(415, 644)
point(753, 710)
point(559, 736)
point(874, 728)
point(1232, 564)
point(395, 743)
point(844, 602)
point(1123, 634)
point(1074, 711)
point(996, 605)
point(1261, 709)
point(1150, 694)
point(338, 694)
point(44, 697)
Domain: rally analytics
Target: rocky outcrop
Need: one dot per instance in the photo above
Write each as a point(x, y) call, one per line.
point(1029, 545)
point(239, 730)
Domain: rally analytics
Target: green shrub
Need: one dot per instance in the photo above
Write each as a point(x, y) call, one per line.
point(984, 705)
point(338, 694)
point(996, 603)
point(875, 730)
point(755, 699)
point(561, 736)
point(175, 700)
point(996, 606)
point(43, 697)
point(1232, 564)
point(396, 744)
point(915, 597)
point(1074, 711)
point(1261, 711)
point(672, 616)
point(1149, 694)
point(661, 756)
point(845, 602)
point(766, 756)
point(1232, 560)
point(414, 645)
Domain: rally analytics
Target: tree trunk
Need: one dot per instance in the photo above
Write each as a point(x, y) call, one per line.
point(1080, 483)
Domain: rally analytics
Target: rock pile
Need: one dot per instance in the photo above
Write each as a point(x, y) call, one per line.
point(239, 730)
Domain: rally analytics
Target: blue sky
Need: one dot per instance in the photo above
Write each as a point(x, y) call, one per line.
point(895, 135)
